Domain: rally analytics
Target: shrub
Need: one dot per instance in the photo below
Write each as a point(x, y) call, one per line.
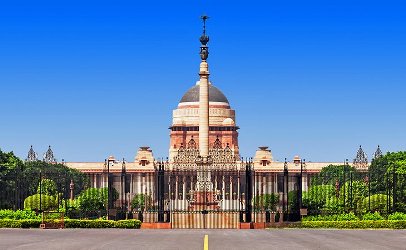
point(8, 223)
point(293, 200)
point(355, 224)
point(334, 217)
point(89, 223)
point(347, 217)
point(30, 223)
point(40, 202)
point(333, 206)
point(376, 202)
point(317, 197)
point(397, 216)
point(128, 224)
point(18, 215)
point(125, 224)
point(6, 214)
point(372, 216)
point(71, 204)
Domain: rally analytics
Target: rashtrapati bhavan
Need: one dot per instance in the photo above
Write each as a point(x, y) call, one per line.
point(204, 171)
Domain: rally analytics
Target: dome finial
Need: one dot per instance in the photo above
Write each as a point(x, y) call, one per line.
point(204, 39)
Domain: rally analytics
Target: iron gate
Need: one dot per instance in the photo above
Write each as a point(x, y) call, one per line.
point(212, 194)
point(223, 201)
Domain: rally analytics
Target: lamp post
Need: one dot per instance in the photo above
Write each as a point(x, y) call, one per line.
point(285, 186)
point(344, 172)
point(394, 188)
point(123, 186)
point(110, 162)
point(302, 162)
point(72, 188)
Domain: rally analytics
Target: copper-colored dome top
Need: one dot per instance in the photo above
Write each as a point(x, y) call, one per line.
point(215, 95)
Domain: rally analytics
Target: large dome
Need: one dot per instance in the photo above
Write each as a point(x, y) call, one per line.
point(215, 95)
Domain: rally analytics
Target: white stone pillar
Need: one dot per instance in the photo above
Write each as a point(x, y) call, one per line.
point(224, 193)
point(177, 189)
point(184, 193)
point(231, 188)
point(305, 186)
point(139, 184)
point(204, 109)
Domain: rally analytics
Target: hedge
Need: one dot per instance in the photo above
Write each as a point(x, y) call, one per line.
point(69, 223)
point(9, 223)
point(364, 224)
point(19, 215)
point(334, 217)
point(129, 224)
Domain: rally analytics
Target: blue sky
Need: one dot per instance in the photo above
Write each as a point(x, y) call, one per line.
point(313, 78)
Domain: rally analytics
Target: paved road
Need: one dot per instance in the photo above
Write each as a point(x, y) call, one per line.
point(193, 239)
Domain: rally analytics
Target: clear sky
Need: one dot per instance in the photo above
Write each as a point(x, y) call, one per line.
point(99, 78)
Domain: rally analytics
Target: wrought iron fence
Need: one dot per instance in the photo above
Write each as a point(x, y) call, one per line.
point(237, 194)
point(37, 191)
point(354, 191)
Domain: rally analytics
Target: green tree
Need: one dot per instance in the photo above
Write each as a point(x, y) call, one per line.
point(48, 187)
point(317, 197)
point(332, 173)
point(389, 173)
point(333, 205)
point(59, 173)
point(94, 199)
point(141, 202)
point(9, 164)
point(352, 194)
point(293, 201)
point(266, 202)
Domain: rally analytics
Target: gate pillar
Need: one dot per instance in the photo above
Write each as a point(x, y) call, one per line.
point(161, 184)
point(248, 192)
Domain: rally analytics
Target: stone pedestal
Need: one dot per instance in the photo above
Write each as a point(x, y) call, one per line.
point(272, 217)
point(280, 217)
